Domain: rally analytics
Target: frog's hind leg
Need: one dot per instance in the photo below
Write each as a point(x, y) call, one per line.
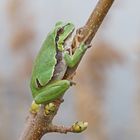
point(52, 91)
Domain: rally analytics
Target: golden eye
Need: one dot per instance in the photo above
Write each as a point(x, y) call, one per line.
point(60, 31)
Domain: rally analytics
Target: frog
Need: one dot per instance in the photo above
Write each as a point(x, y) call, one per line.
point(47, 84)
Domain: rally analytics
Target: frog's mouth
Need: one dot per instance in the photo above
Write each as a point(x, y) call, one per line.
point(68, 38)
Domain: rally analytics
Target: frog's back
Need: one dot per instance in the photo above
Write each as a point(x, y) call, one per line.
point(45, 62)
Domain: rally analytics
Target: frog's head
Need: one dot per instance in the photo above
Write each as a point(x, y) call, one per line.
point(64, 32)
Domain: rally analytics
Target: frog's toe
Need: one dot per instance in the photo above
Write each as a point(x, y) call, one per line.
point(72, 83)
point(89, 46)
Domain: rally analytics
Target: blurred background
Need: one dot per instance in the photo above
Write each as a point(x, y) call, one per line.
point(107, 91)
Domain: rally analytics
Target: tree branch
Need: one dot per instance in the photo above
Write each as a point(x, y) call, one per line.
point(39, 124)
point(95, 20)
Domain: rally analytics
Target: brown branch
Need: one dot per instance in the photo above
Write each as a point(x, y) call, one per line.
point(60, 129)
point(39, 124)
point(87, 32)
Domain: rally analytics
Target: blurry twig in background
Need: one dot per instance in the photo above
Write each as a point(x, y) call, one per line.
point(17, 63)
point(38, 125)
point(22, 28)
point(22, 33)
point(91, 93)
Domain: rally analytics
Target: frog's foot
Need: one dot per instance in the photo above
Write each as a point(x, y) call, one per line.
point(72, 83)
point(50, 109)
point(34, 107)
point(89, 46)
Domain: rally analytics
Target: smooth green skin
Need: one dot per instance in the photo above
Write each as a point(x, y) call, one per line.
point(45, 90)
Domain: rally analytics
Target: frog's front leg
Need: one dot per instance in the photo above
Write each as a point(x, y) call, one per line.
point(72, 60)
point(52, 91)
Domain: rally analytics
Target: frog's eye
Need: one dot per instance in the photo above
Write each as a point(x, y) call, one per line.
point(60, 31)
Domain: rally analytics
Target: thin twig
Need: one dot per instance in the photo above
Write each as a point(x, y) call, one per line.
point(60, 129)
point(37, 125)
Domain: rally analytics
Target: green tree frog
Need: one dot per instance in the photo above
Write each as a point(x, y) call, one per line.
point(46, 84)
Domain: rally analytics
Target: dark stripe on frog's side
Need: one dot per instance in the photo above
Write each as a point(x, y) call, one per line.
point(60, 67)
